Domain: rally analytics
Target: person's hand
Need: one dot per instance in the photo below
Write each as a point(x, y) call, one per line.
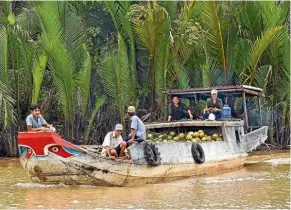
point(130, 141)
point(43, 129)
point(112, 157)
point(191, 117)
point(215, 109)
point(127, 156)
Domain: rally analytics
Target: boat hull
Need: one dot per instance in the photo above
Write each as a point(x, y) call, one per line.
point(120, 173)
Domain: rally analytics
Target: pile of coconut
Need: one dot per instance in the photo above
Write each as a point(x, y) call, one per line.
point(191, 136)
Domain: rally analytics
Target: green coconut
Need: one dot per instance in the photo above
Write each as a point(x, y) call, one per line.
point(191, 133)
point(150, 136)
point(214, 136)
point(182, 136)
point(201, 135)
point(189, 137)
point(200, 131)
point(209, 138)
point(176, 138)
point(169, 137)
point(196, 134)
point(204, 138)
point(172, 133)
point(219, 139)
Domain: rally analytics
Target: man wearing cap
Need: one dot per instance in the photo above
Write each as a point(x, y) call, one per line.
point(113, 144)
point(35, 122)
point(138, 131)
point(213, 105)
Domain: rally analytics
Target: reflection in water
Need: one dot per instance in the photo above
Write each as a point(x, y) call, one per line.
point(255, 186)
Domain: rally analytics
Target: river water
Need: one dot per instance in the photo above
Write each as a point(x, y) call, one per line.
point(264, 183)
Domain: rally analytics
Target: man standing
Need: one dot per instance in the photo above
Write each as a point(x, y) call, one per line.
point(113, 145)
point(177, 110)
point(138, 131)
point(213, 105)
point(35, 122)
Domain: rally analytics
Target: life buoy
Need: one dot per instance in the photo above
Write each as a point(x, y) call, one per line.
point(198, 153)
point(152, 154)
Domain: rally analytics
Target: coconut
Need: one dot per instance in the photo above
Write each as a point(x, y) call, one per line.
point(196, 134)
point(176, 138)
point(182, 136)
point(172, 133)
point(204, 139)
point(219, 139)
point(201, 135)
point(194, 140)
point(191, 133)
point(209, 138)
point(189, 141)
point(200, 131)
point(165, 141)
point(150, 136)
point(197, 139)
point(189, 137)
point(169, 137)
point(214, 136)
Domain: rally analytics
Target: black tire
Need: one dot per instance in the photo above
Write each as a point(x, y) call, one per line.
point(152, 154)
point(198, 153)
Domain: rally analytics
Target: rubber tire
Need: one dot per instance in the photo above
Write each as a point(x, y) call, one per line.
point(198, 153)
point(151, 154)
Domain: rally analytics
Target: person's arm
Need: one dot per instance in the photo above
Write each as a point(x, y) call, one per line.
point(133, 129)
point(220, 105)
point(133, 134)
point(30, 128)
point(106, 144)
point(190, 114)
point(207, 107)
point(170, 112)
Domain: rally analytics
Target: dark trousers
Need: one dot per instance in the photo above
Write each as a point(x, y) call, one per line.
point(217, 115)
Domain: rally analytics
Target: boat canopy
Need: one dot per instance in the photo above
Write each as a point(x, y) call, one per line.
point(223, 91)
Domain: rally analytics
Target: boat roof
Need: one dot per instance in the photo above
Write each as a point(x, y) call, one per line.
point(236, 90)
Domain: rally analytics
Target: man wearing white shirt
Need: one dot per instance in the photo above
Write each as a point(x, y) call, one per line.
point(113, 144)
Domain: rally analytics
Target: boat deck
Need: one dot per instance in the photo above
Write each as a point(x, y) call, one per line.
point(189, 123)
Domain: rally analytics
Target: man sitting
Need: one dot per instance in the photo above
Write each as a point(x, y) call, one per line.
point(213, 105)
point(138, 131)
point(35, 122)
point(177, 110)
point(113, 145)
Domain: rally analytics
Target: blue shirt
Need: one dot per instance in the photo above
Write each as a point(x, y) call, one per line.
point(35, 123)
point(138, 125)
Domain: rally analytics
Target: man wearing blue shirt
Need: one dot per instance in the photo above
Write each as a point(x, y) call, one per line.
point(35, 122)
point(138, 131)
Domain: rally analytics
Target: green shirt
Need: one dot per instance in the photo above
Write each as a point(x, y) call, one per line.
point(217, 105)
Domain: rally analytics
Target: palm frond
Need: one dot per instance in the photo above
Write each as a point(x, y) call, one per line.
point(259, 47)
point(62, 62)
point(98, 104)
point(215, 34)
point(6, 107)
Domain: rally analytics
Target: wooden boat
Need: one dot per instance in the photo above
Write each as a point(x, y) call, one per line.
point(48, 158)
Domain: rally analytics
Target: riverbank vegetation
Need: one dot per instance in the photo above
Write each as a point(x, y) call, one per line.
point(85, 62)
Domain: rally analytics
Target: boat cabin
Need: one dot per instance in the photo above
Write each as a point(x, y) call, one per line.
point(236, 99)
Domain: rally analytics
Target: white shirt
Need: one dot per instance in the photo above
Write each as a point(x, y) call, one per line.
point(110, 141)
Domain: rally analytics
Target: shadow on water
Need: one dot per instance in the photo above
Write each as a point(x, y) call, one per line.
point(259, 185)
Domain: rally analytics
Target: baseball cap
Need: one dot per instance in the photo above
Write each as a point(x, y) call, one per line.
point(118, 127)
point(214, 91)
point(131, 109)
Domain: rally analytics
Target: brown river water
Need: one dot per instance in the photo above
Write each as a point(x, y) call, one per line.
point(264, 183)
